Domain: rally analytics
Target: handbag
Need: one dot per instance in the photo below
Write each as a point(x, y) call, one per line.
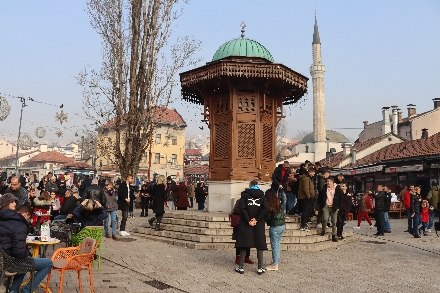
point(234, 219)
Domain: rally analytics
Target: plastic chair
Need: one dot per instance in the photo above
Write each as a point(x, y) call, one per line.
point(95, 232)
point(10, 266)
point(77, 258)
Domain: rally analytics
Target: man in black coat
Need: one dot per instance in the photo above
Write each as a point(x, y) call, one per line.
point(84, 185)
point(69, 204)
point(13, 231)
point(379, 208)
point(280, 177)
point(95, 192)
point(251, 228)
point(125, 192)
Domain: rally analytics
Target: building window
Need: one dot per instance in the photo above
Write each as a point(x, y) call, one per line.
point(157, 158)
point(173, 159)
point(158, 138)
point(174, 140)
point(145, 158)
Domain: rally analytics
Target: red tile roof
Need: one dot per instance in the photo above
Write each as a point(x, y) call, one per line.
point(408, 149)
point(359, 146)
point(163, 115)
point(193, 152)
point(10, 157)
point(53, 156)
point(78, 165)
point(199, 169)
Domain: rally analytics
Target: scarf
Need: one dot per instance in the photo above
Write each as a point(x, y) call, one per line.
point(254, 187)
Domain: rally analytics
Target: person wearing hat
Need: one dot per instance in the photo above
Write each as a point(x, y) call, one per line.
point(13, 229)
point(95, 192)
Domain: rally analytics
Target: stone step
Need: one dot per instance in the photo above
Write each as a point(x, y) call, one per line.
point(230, 246)
point(313, 238)
point(208, 217)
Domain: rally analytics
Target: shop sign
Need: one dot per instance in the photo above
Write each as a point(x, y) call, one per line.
point(404, 169)
point(364, 170)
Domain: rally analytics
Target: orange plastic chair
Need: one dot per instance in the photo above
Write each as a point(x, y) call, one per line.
point(77, 258)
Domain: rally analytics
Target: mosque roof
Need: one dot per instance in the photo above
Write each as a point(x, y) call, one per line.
point(242, 47)
point(316, 39)
point(332, 135)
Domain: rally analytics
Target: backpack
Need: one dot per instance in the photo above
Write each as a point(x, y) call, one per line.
point(369, 203)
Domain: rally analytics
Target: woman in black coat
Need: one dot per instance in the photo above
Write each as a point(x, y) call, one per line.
point(159, 195)
point(90, 213)
point(200, 196)
point(251, 233)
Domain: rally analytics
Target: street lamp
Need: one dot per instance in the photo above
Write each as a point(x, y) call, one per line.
point(23, 104)
point(82, 142)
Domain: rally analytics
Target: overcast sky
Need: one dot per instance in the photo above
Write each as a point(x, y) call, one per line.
point(376, 53)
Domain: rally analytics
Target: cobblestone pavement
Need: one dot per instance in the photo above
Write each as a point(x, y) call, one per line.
point(394, 263)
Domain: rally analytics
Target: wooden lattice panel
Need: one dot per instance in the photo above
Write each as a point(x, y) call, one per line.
point(267, 141)
point(221, 141)
point(246, 140)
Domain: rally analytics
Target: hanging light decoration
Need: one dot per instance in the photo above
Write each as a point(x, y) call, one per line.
point(40, 132)
point(25, 142)
point(5, 108)
point(61, 116)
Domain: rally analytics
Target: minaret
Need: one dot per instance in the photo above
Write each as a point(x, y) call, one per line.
point(317, 71)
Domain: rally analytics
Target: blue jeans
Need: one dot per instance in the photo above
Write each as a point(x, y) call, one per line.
point(291, 200)
point(275, 234)
point(60, 217)
point(42, 268)
point(282, 196)
point(424, 225)
point(387, 221)
point(410, 220)
point(431, 220)
point(111, 214)
point(416, 223)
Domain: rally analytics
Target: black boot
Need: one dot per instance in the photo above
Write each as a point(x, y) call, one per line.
point(151, 221)
point(323, 232)
point(142, 214)
point(158, 227)
point(334, 239)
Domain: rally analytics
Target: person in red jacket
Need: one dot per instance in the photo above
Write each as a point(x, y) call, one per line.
point(407, 203)
point(424, 215)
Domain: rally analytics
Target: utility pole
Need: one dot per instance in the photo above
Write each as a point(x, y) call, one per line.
point(23, 104)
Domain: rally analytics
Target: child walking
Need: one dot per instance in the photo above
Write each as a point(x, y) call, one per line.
point(363, 212)
point(424, 215)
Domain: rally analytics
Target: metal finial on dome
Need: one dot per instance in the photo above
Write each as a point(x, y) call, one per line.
point(243, 25)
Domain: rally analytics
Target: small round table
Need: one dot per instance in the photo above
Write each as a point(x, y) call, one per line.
point(36, 246)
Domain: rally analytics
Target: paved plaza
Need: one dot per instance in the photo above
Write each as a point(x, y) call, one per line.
point(394, 263)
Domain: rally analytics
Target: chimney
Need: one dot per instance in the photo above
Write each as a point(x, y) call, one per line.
point(411, 110)
point(346, 148)
point(43, 147)
point(399, 115)
point(353, 156)
point(436, 103)
point(386, 127)
point(424, 133)
point(395, 120)
point(365, 124)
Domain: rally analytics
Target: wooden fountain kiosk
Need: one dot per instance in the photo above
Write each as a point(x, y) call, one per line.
point(243, 92)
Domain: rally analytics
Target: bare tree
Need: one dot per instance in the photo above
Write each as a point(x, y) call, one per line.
point(87, 143)
point(280, 133)
point(128, 95)
point(300, 134)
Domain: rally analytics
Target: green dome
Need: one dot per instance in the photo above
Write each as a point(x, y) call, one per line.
point(243, 48)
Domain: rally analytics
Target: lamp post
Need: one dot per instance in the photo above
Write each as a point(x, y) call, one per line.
point(23, 104)
point(82, 143)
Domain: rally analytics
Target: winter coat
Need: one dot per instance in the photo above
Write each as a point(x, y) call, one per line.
point(424, 215)
point(338, 199)
point(69, 204)
point(416, 201)
point(387, 201)
point(236, 211)
point(111, 204)
point(192, 190)
point(42, 204)
point(182, 196)
point(320, 184)
point(87, 182)
point(379, 201)
point(13, 232)
point(86, 218)
point(362, 203)
point(96, 193)
point(253, 204)
point(124, 194)
point(145, 191)
point(433, 196)
point(275, 220)
point(278, 179)
point(171, 189)
point(407, 199)
point(200, 195)
point(306, 188)
point(41, 186)
point(159, 196)
point(21, 194)
point(51, 186)
point(61, 188)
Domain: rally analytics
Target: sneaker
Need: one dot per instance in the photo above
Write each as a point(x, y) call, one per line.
point(329, 225)
point(272, 268)
point(429, 230)
point(319, 225)
point(371, 226)
point(261, 271)
point(356, 227)
point(302, 229)
point(307, 229)
point(239, 270)
point(123, 233)
point(425, 234)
